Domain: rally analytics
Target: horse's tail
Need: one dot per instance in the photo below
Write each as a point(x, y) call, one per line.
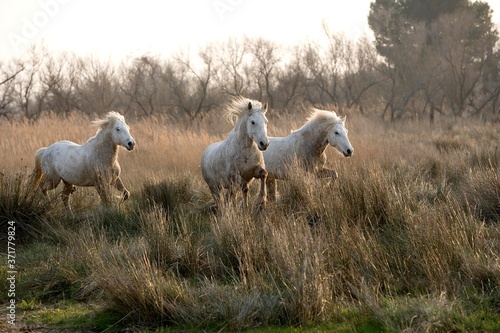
point(37, 175)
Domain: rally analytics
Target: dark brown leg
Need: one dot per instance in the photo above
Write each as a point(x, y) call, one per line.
point(244, 190)
point(103, 191)
point(120, 187)
point(262, 200)
point(67, 191)
point(272, 185)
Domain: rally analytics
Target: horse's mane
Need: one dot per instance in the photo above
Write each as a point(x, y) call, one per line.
point(239, 107)
point(328, 118)
point(111, 118)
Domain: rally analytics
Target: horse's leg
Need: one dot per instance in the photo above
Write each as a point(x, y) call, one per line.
point(103, 191)
point(120, 187)
point(235, 183)
point(262, 200)
point(272, 185)
point(216, 194)
point(45, 187)
point(48, 184)
point(244, 190)
point(67, 191)
point(230, 194)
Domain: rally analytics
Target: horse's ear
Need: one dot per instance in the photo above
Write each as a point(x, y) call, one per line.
point(343, 118)
point(249, 105)
point(265, 107)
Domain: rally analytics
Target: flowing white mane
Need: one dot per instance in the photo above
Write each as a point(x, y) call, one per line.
point(239, 107)
point(111, 118)
point(329, 118)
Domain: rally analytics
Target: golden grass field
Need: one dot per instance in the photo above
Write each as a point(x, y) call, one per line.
point(165, 149)
point(405, 240)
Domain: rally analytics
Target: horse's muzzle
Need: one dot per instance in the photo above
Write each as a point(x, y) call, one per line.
point(263, 146)
point(130, 145)
point(348, 152)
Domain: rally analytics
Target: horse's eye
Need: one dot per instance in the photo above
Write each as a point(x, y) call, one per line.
point(253, 122)
point(118, 130)
point(337, 133)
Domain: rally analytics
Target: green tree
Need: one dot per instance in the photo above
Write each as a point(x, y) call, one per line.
point(432, 44)
point(429, 10)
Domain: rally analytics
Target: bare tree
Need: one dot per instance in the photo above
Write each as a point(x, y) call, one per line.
point(192, 92)
point(360, 74)
point(228, 67)
point(97, 88)
point(140, 82)
point(324, 68)
point(290, 80)
point(263, 67)
point(8, 73)
point(28, 88)
point(59, 78)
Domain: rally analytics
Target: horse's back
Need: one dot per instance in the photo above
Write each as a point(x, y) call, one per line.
point(65, 143)
point(59, 151)
point(39, 154)
point(65, 160)
point(279, 155)
point(283, 152)
point(211, 161)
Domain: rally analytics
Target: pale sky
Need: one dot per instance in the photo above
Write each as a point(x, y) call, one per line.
point(116, 29)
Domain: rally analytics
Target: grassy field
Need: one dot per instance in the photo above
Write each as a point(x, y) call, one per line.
point(407, 239)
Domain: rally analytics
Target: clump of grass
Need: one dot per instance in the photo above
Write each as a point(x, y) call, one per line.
point(45, 273)
point(18, 203)
point(115, 221)
point(158, 230)
point(482, 193)
point(168, 194)
point(70, 316)
point(450, 144)
point(231, 307)
point(135, 286)
point(295, 195)
point(173, 242)
point(421, 314)
point(369, 196)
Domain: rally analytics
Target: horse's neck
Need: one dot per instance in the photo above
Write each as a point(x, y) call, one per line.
point(104, 150)
point(241, 135)
point(315, 137)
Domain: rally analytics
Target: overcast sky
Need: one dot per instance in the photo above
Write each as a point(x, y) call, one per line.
point(115, 29)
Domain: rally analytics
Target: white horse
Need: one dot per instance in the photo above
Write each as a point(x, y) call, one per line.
point(94, 163)
point(238, 159)
point(306, 146)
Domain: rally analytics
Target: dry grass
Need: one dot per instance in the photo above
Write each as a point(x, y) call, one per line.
point(407, 237)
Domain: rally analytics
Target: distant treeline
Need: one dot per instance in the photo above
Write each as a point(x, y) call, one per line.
point(440, 58)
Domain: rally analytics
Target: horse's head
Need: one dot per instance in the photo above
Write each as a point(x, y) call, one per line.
point(121, 135)
point(257, 126)
point(337, 137)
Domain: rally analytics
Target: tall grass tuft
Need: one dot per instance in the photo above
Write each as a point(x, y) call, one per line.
point(135, 286)
point(168, 194)
point(18, 203)
point(483, 195)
